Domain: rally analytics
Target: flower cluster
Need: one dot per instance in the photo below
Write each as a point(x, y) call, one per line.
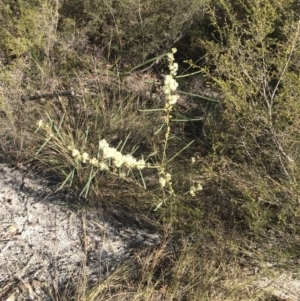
point(194, 188)
point(41, 125)
point(172, 66)
point(165, 180)
point(119, 159)
point(170, 84)
point(108, 152)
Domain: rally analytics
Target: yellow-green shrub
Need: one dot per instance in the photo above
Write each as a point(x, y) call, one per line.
point(252, 56)
point(28, 27)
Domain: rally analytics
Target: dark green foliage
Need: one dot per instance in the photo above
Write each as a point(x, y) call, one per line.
point(129, 30)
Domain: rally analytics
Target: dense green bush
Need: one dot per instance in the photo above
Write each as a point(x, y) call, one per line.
point(130, 30)
point(252, 56)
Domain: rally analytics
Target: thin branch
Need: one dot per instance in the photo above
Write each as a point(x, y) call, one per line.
point(287, 62)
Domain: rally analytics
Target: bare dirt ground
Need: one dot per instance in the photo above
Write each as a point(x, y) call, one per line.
point(44, 244)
